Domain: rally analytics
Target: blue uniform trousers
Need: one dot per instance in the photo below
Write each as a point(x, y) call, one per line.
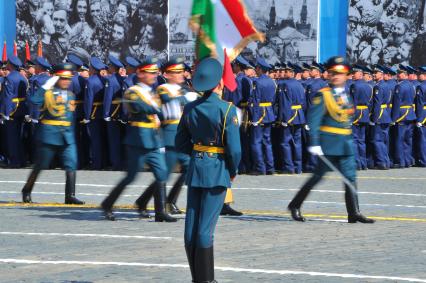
point(398, 153)
point(291, 149)
point(408, 145)
point(245, 163)
point(46, 152)
point(114, 131)
point(96, 132)
point(420, 136)
point(380, 144)
point(14, 146)
point(30, 141)
point(359, 133)
point(202, 212)
point(82, 143)
point(261, 148)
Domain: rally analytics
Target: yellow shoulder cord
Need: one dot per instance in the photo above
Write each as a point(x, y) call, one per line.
point(337, 113)
point(224, 124)
point(16, 108)
point(53, 108)
point(359, 117)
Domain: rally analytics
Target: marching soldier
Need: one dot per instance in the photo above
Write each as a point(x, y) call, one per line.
point(209, 132)
point(131, 66)
point(143, 142)
point(13, 110)
point(403, 116)
point(56, 132)
point(420, 103)
point(262, 117)
point(330, 122)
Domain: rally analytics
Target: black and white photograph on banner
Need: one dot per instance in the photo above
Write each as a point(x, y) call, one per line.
point(387, 32)
point(93, 28)
point(290, 27)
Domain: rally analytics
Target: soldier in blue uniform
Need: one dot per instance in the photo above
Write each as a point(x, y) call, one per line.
point(3, 73)
point(361, 93)
point(143, 142)
point(93, 112)
point(262, 117)
point(291, 119)
point(12, 112)
point(380, 120)
point(403, 116)
point(113, 113)
point(131, 65)
point(209, 132)
point(420, 134)
point(412, 76)
point(56, 132)
point(330, 121)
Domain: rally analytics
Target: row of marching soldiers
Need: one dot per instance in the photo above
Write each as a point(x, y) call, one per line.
point(389, 127)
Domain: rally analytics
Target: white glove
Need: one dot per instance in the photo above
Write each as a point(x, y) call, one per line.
point(315, 150)
point(255, 124)
point(372, 123)
point(122, 122)
point(162, 150)
point(419, 125)
point(191, 96)
point(84, 121)
point(35, 121)
point(284, 124)
point(307, 127)
point(50, 83)
point(28, 118)
point(107, 119)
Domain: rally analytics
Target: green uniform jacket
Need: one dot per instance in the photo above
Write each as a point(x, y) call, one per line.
point(57, 116)
point(330, 121)
point(210, 122)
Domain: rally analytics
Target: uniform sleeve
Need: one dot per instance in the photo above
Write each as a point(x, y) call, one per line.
point(396, 103)
point(108, 94)
point(6, 100)
point(376, 104)
point(183, 139)
point(38, 97)
point(286, 104)
point(232, 142)
point(419, 102)
point(137, 105)
point(88, 100)
point(315, 114)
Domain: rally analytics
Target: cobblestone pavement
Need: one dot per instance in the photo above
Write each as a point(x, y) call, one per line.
point(50, 242)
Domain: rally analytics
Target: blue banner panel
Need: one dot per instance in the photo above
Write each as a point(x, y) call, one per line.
point(333, 19)
point(7, 24)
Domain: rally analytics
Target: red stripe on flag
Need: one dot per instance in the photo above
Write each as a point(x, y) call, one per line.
point(228, 76)
point(239, 16)
point(15, 49)
point(27, 52)
point(4, 57)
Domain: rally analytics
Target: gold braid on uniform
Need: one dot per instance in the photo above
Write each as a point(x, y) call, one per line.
point(54, 109)
point(335, 111)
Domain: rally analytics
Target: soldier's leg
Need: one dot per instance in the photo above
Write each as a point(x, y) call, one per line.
point(183, 160)
point(97, 142)
point(267, 144)
point(285, 150)
point(386, 137)
point(14, 144)
point(211, 204)
point(421, 160)
point(363, 145)
point(356, 130)
point(398, 154)
point(297, 141)
point(44, 155)
point(245, 165)
point(379, 146)
point(256, 137)
point(113, 132)
point(157, 162)
point(69, 161)
point(408, 145)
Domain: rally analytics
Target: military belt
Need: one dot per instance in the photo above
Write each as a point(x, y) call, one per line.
point(150, 125)
point(56, 123)
point(406, 106)
point(97, 103)
point(78, 101)
point(335, 130)
point(244, 104)
point(383, 106)
point(209, 149)
point(18, 99)
point(170, 122)
point(361, 107)
point(116, 101)
point(265, 104)
point(296, 107)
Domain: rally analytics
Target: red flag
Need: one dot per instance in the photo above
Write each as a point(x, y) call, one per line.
point(40, 48)
point(15, 49)
point(27, 52)
point(228, 76)
point(4, 57)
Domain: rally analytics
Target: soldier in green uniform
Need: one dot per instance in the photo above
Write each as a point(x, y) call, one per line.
point(143, 141)
point(209, 132)
point(330, 121)
point(56, 132)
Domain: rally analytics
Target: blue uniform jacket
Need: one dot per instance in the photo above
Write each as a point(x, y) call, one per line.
point(313, 88)
point(212, 122)
point(94, 97)
point(403, 102)
point(380, 111)
point(112, 98)
point(131, 80)
point(13, 96)
point(361, 93)
point(291, 102)
point(235, 96)
point(420, 102)
point(36, 82)
point(56, 126)
point(262, 100)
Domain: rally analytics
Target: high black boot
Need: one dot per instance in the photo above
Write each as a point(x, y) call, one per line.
point(143, 200)
point(190, 254)
point(29, 185)
point(228, 210)
point(109, 201)
point(352, 206)
point(174, 194)
point(160, 203)
point(204, 265)
point(302, 194)
point(70, 189)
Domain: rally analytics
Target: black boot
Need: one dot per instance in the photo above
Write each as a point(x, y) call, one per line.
point(109, 201)
point(228, 210)
point(352, 206)
point(142, 202)
point(70, 189)
point(160, 203)
point(174, 194)
point(29, 185)
point(204, 265)
point(302, 194)
point(190, 253)
point(296, 214)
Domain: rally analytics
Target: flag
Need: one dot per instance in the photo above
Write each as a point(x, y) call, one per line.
point(40, 48)
point(4, 56)
point(228, 76)
point(27, 52)
point(221, 24)
point(15, 49)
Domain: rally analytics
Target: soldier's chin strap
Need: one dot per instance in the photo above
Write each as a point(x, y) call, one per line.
point(333, 168)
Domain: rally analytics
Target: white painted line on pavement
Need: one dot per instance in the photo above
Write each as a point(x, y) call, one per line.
point(366, 204)
point(86, 235)
point(232, 269)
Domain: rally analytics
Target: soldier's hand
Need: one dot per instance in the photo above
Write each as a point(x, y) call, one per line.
point(84, 121)
point(107, 119)
point(372, 123)
point(419, 125)
point(191, 96)
point(122, 122)
point(255, 124)
point(28, 119)
point(284, 124)
point(233, 178)
point(315, 150)
point(50, 82)
point(307, 128)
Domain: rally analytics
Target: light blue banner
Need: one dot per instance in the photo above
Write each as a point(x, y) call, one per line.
point(333, 23)
point(7, 24)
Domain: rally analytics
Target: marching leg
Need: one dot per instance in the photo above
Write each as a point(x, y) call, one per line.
point(70, 189)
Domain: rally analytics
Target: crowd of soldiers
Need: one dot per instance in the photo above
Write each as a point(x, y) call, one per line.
point(273, 101)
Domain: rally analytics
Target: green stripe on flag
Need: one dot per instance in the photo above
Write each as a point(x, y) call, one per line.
point(203, 24)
